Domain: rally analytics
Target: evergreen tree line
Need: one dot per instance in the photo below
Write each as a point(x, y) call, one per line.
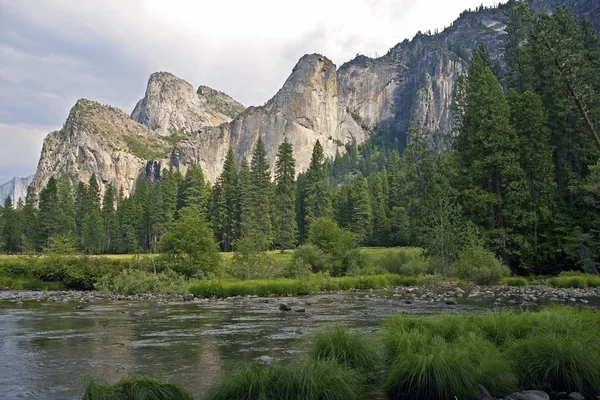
point(522, 177)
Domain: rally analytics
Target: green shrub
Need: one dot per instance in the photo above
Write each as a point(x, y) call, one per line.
point(189, 245)
point(332, 240)
point(554, 362)
point(568, 281)
point(311, 256)
point(130, 281)
point(138, 388)
point(315, 380)
point(515, 281)
point(352, 349)
point(479, 266)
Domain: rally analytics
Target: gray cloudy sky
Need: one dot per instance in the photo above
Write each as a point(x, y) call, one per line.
point(53, 52)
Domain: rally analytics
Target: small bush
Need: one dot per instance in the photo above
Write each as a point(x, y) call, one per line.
point(130, 281)
point(479, 266)
point(352, 349)
point(311, 256)
point(315, 380)
point(515, 281)
point(554, 362)
point(139, 388)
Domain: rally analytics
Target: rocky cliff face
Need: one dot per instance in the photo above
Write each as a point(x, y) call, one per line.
point(171, 106)
point(100, 140)
point(304, 110)
point(16, 189)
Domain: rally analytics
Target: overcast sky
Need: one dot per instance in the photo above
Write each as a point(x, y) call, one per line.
point(53, 52)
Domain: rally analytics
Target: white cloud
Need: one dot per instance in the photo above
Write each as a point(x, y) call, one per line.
point(20, 149)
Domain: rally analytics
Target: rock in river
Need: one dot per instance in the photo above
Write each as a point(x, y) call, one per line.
point(284, 307)
point(136, 313)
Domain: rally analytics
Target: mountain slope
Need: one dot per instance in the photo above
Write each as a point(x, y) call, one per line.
point(101, 140)
point(16, 189)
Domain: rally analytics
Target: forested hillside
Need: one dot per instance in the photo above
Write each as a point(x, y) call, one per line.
point(521, 179)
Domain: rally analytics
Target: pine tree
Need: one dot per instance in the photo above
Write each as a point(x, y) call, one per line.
point(31, 223)
point(317, 197)
point(529, 120)
point(243, 199)
point(12, 232)
point(66, 205)
point(394, 181)
point(380, 212)
point(492, 187)
point(518, 17)
point(284, 226)
point(260, 195)
point(361, 222)
point(109, 217)
point(193, 191)
point(80, 207)
point(226, 203)
point(49, 211)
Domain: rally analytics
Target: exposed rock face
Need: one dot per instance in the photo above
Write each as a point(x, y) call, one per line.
point(100, 140)
point(16, 189)
point(305, 109)
point(172, 106)
point(220, 102)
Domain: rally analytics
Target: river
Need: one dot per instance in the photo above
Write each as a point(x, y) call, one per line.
point(47, 349)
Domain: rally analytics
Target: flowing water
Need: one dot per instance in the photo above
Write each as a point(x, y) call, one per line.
point(48, 349)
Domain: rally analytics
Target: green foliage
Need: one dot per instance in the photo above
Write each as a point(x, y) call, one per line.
point(332, 240)
point(309, 257)
point(285, 227)
point(479, 266)
point(189, 245)
point(249, 259)
point(516, 281)
point(146, 149)
point(131, 281)
point(137, 387)
point(315, 380)
point(351, 349)
point(577, 280)
point(557, 362)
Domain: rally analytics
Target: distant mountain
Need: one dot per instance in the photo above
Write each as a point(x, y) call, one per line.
point(16, 189)
point(173, 125)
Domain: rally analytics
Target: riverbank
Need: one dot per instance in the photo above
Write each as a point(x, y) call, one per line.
point(448, 294)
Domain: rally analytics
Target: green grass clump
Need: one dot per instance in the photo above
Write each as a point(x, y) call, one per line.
point(554, 362)
point(516, 281)
point(315, 380)
point(575, 280)
point(435, 357)
point(131, 281)
point(352, 349)
point(438, 372)
point(282, 287)
point(28, 283)
point(137, 387)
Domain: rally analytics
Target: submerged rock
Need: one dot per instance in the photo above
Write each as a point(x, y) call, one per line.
point(265, 360)
point(136, 313)
point(529, 395)
point(284, 307)
point(188, 297)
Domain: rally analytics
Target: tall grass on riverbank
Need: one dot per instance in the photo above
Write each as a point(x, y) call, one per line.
point(282, 287)
point(352, 349)
point(314, 380)
point(137, 387)
point(448, 355)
